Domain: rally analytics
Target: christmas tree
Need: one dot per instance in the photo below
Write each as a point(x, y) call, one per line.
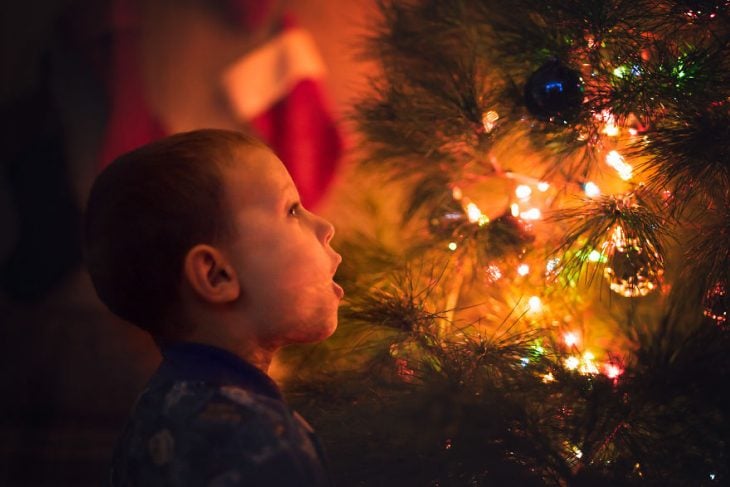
point(550, 305)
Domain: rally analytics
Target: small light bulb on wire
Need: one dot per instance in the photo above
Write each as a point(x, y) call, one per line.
point(523, 191)
point(531, 214)
point(493, 273)
point(572, 363)
point(594, 256)
point(570, 338)
point(617, 161)
point(551, 265)
point(535, 304)
point(591, 189)
point(612, 371)
point(489, 120)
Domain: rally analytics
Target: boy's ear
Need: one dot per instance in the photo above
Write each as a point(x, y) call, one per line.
point(210, 275)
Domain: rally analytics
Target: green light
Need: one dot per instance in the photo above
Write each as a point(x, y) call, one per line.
point(621, 71)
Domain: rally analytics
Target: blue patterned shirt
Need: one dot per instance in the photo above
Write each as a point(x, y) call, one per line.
point(208, 418)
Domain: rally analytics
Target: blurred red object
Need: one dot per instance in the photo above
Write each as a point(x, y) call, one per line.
point(275, 89)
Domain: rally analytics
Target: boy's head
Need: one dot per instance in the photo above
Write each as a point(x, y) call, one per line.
point(204, 230)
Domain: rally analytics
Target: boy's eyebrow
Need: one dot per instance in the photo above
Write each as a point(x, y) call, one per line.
point(289, 190)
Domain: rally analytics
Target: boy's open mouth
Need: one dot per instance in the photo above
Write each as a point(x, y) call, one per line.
point(338, 290)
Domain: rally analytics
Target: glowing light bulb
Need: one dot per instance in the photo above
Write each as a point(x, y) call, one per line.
point(617, 161)
point(594, 256)
point(535, 304)
point(531, 214)
point(577, 452)
point(523, 269)
point(621, 71)
point(551, 265)
point(588, 366)
point(611, 129)
point(591, 189)
point(473, 212)
point(548, 377)
point(493, 273)
point(570, 338)
point(490, 120)
point(452, 246)
point(456, 193)
point(515, 209)
point(523, 191)
point(543, 186)
point(612, 371)
point(572, 363)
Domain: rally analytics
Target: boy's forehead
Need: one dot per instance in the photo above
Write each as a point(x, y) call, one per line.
point(257, 176)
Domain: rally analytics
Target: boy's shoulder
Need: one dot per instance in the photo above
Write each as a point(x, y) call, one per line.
point(199, 433)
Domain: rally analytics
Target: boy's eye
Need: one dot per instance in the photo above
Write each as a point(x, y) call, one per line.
point(294, 209)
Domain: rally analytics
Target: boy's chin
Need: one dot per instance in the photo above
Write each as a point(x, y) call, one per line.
point(321, 332)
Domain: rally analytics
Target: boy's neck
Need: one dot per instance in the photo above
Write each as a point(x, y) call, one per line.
point(228, 331)
point(259, 357)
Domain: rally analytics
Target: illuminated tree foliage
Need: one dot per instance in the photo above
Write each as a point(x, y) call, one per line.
point(555, 309)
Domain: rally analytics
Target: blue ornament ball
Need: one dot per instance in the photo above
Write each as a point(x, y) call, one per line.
point(554, 92)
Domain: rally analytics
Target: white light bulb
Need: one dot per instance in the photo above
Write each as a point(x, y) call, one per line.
point(535, 304)
point(523, 191)
point(591, 189)
point(617, 161)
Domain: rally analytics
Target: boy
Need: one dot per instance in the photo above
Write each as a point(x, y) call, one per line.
point(200, 239)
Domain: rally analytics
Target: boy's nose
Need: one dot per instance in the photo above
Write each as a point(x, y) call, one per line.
point(328, 230)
